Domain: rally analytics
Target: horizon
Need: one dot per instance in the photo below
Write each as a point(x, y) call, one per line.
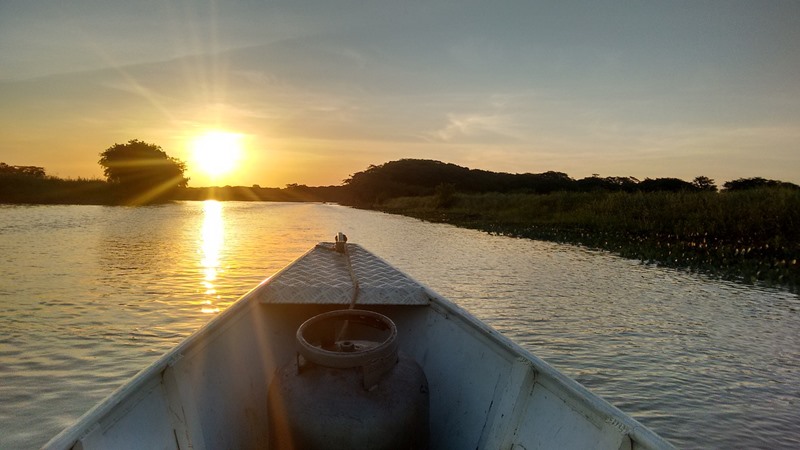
point(311, 93)
point(718, 183)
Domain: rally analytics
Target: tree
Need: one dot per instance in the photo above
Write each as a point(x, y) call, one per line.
point(143, 169)
point(704, 184)
point(742, 184)
point(29, 171)
point(611, 184)
point(665, 185)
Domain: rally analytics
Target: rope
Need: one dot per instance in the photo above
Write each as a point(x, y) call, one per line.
point(356, 287)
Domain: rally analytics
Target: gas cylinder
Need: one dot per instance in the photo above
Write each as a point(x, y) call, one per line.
point(348, 388)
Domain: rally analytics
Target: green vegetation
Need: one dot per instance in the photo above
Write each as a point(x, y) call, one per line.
point(137, 173)
point(416, 177)
point(750, 231)
point(750, 235)
point(30, 184)
point(15, 188)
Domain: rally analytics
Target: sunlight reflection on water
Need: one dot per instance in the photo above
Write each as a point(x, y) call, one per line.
point(212, 241)
point(93, 294)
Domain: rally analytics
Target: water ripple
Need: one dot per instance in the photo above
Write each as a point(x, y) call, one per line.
point(92, 294)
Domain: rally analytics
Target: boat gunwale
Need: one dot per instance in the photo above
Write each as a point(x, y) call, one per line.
point(552, 379)
point(95, 416)
point(630, 426)
point(545, 374)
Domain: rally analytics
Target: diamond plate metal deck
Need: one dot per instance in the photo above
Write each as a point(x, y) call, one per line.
point(321, 276)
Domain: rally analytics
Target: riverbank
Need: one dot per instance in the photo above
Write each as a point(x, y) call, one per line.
point(751, 236)
point(45, 190)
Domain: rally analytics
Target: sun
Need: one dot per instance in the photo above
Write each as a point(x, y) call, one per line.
point(216, 153)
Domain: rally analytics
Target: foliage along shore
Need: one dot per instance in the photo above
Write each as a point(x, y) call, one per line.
point(749, 232)
point(750, 235)
point(17, 189)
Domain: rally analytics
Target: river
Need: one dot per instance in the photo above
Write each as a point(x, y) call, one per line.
point(92, 294)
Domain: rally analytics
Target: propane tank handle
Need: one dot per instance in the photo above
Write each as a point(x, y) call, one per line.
point(316, 336)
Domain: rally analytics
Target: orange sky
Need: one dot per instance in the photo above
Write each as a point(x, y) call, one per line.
point(317, 92)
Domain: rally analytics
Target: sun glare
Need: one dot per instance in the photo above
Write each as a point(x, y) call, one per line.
point(217, 153)
point(212, 241)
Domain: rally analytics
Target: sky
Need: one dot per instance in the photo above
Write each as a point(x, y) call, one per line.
point(316, 90)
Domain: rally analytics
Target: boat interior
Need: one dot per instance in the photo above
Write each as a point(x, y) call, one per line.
point(210, 392)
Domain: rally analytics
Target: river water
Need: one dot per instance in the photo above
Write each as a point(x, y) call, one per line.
point(92, 294)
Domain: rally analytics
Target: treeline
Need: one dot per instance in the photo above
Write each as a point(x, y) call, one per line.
point(31, 171)
point(368, 188)
point(291, 193)
point(32, 185)
point(749, 231)
point(16, 188)
point(748, 234)
point(416, 177)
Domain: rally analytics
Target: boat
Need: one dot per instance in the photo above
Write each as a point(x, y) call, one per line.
point(221, 388)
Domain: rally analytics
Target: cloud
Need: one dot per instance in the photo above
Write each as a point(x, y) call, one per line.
point(472, 128)
point(533, 87)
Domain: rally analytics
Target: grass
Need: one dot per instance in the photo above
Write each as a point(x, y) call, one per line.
point(16, 188)
point(750, 235)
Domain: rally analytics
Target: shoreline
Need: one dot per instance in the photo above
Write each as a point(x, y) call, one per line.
point(720, 234)
point(733, 258)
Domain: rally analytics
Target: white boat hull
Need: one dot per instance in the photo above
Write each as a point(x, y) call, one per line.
point(486, 392)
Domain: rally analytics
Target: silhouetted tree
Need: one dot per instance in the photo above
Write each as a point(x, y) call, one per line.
point(540, 183)
point(613, 184)
point(665, 184)
point(755, 183)
point(30, 171)
point(704, 184)
point(143, 169)
point(415, 177)
point(405, 177)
